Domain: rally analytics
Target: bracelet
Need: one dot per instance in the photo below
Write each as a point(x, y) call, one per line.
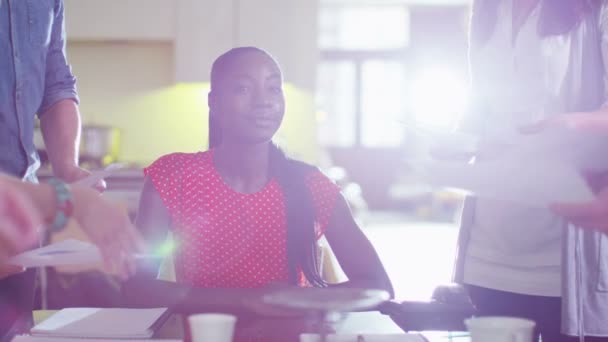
point(65, 205)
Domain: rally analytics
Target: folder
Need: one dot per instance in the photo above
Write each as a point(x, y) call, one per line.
point(103, 323)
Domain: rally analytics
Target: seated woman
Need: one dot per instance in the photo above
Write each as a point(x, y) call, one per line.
point(243, 215)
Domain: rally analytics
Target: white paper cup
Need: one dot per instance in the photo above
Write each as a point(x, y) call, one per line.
point(211, 327)
point(500, 329)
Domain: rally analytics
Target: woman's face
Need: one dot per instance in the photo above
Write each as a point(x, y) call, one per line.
point(249, 101)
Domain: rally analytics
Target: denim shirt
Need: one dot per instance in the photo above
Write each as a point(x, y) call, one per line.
point(34, 75)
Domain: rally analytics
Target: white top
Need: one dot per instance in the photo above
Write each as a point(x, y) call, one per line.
point(512, 247)
point(514, 258)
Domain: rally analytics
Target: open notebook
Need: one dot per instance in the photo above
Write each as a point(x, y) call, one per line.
point(103, 323)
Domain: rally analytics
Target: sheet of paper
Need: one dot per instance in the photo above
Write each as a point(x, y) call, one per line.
point(364, 337)
point(67, 252)
point(96, 176)
point(535, 184)
point(100, 323)
point(430, 139)
point(584, 151)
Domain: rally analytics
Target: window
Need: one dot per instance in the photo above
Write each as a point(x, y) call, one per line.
point(362, 75)
point(363, 27)
point(382, 102)
point(337, 102)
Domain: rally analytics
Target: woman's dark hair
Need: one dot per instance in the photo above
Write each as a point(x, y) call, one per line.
point(301, 236)
point(557, 17)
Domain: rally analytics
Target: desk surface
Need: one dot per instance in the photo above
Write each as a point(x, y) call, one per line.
point(286, 330)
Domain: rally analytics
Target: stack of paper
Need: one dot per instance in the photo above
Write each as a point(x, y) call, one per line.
point(114, 323)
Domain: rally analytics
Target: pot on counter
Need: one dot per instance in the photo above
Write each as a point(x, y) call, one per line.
point(99, 145)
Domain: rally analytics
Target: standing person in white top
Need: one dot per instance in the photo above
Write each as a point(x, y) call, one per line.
point(529, 59)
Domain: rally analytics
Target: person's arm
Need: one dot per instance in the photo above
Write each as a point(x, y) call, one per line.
point(154, 223)
point(107, 225)
point(60, 121)
point(60, 125)
point(19, 221)
point(354, 252)
point(19, 224)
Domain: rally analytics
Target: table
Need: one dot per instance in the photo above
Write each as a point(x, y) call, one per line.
point(277, 329)
point(287, 329)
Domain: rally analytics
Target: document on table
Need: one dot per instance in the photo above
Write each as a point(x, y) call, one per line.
point(102, 323)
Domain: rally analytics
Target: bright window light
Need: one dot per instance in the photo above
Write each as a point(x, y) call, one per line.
point(439, 96)
point(364, 27)
point(382, 103)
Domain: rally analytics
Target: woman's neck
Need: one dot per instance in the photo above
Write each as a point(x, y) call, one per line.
point(244, 167)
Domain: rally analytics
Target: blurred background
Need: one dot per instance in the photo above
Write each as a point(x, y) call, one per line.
point(359, 74)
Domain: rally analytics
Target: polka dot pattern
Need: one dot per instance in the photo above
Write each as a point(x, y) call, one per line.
point(226, 238)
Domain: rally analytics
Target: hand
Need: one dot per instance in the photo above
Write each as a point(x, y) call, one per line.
point(74, 173)
point(9, 270)
point(590, 215)
point(110, 228)
point(255, 303)
point(19, 222)
point(596, 121)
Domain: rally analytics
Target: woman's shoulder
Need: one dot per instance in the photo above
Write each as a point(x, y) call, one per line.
point(179, 161)
point(316, 179)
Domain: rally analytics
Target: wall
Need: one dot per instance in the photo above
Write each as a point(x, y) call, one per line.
point(121, 19)
point(131, 58)
point(130, 86)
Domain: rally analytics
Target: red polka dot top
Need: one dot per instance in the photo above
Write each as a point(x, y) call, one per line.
point(227, 239)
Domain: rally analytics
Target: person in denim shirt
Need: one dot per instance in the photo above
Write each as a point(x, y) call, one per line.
point(35, 79)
